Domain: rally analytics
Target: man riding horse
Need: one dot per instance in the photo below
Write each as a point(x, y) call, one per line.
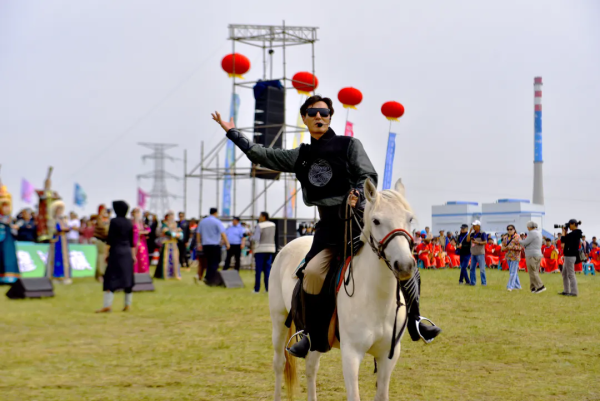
point(331, 169)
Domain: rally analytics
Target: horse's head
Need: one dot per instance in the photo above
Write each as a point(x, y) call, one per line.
point(387, 219)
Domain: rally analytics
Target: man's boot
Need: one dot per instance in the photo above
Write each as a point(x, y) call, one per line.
point(317, 316)
point(411, 289)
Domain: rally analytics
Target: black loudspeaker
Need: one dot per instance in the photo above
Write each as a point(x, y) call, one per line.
point(143, 282)
point(269, 114)
point(229, 279)
point(31, 288)
point(281, 238)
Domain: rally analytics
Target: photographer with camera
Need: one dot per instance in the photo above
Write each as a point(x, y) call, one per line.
point(571, 242)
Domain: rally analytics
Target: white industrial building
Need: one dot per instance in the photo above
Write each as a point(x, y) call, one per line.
point(494, 217)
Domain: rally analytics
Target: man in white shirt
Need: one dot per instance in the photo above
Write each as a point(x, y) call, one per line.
point(74, 225)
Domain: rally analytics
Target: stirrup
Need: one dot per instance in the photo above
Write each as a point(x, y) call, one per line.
point(299, 334)
point(419, 331)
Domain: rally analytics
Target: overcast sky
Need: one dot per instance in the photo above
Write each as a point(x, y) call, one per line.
point(82, 82)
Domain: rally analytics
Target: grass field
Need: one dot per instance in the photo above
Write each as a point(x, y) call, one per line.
point(188, 342)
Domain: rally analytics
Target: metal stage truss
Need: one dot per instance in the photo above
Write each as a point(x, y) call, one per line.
point(266, 37)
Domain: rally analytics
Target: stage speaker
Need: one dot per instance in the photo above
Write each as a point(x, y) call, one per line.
point(269, 113)
point(281, 238)
point(31, 288)
point(143, 282)
point(229, 279)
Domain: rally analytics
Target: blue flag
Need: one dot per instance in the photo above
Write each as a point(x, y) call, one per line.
point(230, 158)
point(80, 198)
point(389, 161)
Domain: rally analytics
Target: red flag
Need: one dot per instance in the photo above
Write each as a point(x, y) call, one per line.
point(349, 129)
point(141, 201)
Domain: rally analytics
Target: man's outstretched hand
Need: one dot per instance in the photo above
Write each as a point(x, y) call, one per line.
point(225, 125)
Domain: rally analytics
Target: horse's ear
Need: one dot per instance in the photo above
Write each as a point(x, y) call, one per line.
point(370, 190)
point(400, 187)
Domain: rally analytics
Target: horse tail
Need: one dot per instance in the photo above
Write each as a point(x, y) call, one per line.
point(289, 371)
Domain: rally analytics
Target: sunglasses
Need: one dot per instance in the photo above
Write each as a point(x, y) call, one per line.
point(313, 112)
point(510, 229)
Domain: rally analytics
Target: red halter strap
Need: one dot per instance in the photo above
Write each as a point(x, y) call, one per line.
point(394, 233)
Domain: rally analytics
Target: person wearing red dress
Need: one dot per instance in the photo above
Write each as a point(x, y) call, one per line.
point(550, 259)
point(491, 258)
point(424, 252)
point(595, 256)
point(451, 252)
point(439, 258)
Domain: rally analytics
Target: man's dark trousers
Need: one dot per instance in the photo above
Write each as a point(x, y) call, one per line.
point(263, 263)
point(213, 258)
point(236, 252)
point(464, 264)
point(183, 256)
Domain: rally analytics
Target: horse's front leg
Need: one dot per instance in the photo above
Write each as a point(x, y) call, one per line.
point(351, 359)
point(385, 367)
point(312, 367)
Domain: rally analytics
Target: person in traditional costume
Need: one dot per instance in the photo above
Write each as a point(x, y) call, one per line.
point(451, 251)
point(424, 252)
point(9, 265)
point(140, 231)
point(491, 258)
point(595, 256)
point(439, 254)
point(100, 238)
point(168, 263)
point(550, 259)
point(58, 265)
point(45, 229)
point(121, 258)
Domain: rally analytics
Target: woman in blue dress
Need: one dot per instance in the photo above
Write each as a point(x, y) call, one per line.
point(58, 266)
point(9, 266)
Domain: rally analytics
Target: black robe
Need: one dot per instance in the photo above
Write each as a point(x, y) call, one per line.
point(119, 269)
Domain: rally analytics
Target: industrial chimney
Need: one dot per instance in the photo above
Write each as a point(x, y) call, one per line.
point(538, 162)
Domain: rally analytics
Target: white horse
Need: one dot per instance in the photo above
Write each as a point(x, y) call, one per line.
point(366, 319)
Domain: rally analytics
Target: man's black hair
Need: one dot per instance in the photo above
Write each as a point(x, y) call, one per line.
point(236, 218)
point(314, 99)
point(265, 215)
point(212, 210)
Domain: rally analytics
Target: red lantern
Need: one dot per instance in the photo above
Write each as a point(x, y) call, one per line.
point(350, 97)
point(235, 66)
point(392, 110)
point(305, 82)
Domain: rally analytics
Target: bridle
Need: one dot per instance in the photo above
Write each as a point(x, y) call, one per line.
point(379, 247)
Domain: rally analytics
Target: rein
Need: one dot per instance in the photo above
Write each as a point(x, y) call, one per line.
point(379, 249)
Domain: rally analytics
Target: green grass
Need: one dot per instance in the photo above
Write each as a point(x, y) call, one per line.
point(188, 342)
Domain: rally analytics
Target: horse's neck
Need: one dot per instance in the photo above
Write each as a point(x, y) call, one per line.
point(372, 273)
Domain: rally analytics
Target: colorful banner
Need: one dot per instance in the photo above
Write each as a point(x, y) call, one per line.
point(230, 157)
point(32, 259)
point(389, 161)
point(80, 198)
point(27, 191)
point(141, 198)
point(349, 129)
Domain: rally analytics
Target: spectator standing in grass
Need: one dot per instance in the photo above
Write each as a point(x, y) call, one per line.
point(533, 254)
point(235, 235)
point(512, 248)
point(464, 247)
point(121, 257)
point(478, 240)
point(264, 250)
